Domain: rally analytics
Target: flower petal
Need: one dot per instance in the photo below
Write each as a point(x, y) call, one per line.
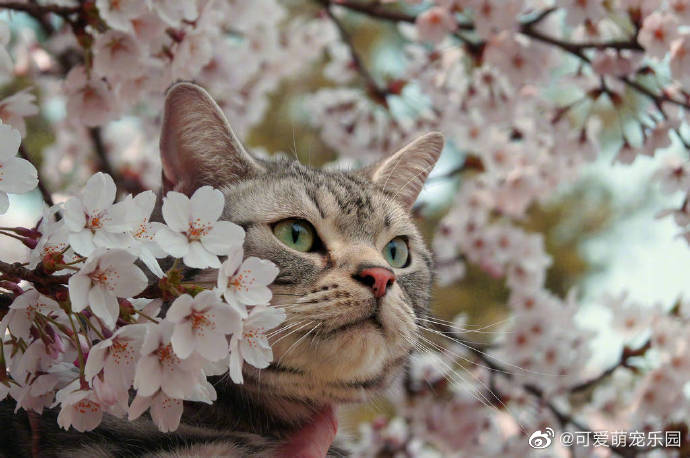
point(199, 258)
point(256, 355)
point(75, 218)
point(148, 376)
point(18, 176)
point(183, 340)
point(9, 141)
point(176, 211)
point(99, 193)
point(104, 305)
point(180, 309)
point(207, 204)
point(79, 286)
point(171, 242)
point(223, 237)
point(82, 242)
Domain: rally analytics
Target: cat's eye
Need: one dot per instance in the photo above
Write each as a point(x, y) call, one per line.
point(397, 253)
point(297, 234)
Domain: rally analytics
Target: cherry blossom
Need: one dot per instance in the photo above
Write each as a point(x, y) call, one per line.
point(89, 99)
point(106, 275)
point(251, 344)
point(434, 24)
point(166, 412)
point(144, 231)
point(17, 175)
point(80, 409)
point(15, 108)
point(119, 14)
point(23, 312)
point(160, 368)
point(201, 323)
point(93, 220)
point(658, 31)
point(116, 357)
point(246, 282)
point(194, 232)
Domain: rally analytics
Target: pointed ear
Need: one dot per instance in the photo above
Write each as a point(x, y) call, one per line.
point(198, 146)
point(403, 174)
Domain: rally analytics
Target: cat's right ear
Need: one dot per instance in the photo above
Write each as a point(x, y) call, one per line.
point(198, 146)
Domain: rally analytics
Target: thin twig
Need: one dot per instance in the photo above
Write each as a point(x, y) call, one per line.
point(373, 87)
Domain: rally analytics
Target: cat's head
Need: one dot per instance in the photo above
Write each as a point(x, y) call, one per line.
point(355, 275)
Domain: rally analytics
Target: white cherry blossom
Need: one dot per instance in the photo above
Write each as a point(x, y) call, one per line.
point(166, 412)
point(201, 324)
point(251, 344)
point(246, 282)
point(23, 312)
point(93, 220)
point(79, 409)
point(160, 368)
point(194, 232)
point(107, 275)
point(15, 108)
point(116, 357)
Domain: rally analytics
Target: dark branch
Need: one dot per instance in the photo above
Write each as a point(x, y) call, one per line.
point(378, 93)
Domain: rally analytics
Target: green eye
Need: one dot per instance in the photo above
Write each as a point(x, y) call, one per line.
point(297, 234)
point(396, 252)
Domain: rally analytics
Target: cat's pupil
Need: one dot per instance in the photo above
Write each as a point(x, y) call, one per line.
point(393, 250)
point(295, 233)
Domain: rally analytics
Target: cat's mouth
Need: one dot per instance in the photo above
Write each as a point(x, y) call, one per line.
point(370, 320)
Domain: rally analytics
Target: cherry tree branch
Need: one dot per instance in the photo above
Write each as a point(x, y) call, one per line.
point(378, 93)
point(38, 11)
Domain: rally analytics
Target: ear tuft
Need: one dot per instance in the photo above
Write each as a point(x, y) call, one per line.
point(403, 173)
point(198, 146)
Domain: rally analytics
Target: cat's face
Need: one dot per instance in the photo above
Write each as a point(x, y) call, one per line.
point(354, 271)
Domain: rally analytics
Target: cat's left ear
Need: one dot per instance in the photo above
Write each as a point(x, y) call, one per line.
point(403, 173)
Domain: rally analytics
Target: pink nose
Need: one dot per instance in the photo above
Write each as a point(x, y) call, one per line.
point(377, 278)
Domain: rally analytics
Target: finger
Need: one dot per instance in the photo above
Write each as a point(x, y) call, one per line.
point(314, 439)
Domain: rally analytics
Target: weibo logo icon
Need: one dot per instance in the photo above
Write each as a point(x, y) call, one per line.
point(540, 439)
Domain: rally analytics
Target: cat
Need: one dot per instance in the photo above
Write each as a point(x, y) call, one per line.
point(354, 271)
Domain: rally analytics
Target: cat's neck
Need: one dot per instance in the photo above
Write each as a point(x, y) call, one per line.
point(249, 408)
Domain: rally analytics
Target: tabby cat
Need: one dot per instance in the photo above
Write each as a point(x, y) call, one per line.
point(352, 265)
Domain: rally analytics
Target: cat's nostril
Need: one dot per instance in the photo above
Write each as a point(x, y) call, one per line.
point(379, 279)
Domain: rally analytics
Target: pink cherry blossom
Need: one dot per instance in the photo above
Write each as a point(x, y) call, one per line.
point(89, 100)
point(107, 275)
point(194, 232)
point(435, 24)
point(116, 54)
point(201, 324)
point(657, 32)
